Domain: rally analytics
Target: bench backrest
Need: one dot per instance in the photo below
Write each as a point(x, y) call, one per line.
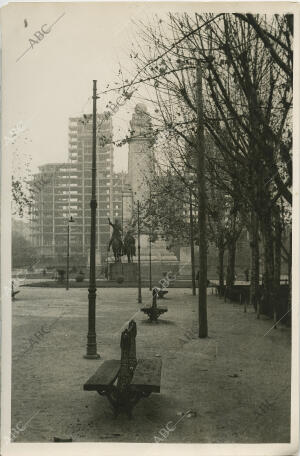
point(128, 356)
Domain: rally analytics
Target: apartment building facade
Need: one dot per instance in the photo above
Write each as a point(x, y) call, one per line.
point(63, 190)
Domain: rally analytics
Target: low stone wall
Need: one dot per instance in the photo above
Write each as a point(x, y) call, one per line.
point(158, 269)
point(129, 271)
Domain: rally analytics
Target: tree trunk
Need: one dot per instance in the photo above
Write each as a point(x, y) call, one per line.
point(290, 261)
point(254, 246)
point(202, 211)
point(277, 265)
point(230, 276)
point(277, 249)
point(290, 279)
point(221, 268)
point(192, 245)
point(268, 279)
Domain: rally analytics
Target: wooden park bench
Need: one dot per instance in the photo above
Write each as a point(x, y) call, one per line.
point(14, 292)
point(127, 381)
point(154, 311)
point(160, 292)
point(220, 290)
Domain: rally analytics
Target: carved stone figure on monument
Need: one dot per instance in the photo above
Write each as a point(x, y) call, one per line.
point(141, 122)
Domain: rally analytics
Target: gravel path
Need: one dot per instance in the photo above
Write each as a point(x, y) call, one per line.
point(236, 382)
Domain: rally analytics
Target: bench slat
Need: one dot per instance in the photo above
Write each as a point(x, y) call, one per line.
point(105, 375)
point(146, 309)
point(147, 375)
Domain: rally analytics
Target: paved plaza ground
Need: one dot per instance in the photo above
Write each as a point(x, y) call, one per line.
point(236, 382)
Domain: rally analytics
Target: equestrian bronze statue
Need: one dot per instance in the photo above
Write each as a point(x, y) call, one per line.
point(129, 246)
point(116, 240)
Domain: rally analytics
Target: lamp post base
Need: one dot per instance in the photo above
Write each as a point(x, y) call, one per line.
point(96, 356)
point(91, 348)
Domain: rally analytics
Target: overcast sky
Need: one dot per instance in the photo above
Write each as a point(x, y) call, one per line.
point(53, 80)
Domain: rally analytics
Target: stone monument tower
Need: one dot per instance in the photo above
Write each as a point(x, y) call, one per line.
point(140, 162)
point(140, 151)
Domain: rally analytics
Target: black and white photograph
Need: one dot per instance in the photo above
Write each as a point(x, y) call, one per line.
point(149, 228)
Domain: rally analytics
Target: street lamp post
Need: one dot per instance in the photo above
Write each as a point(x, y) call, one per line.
point(139, 255)
point(150, 243)
point(122, 193)
point(70, 220)
point(150, 265)
point(91, 352)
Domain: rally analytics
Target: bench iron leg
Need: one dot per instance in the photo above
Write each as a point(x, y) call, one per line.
point(125, 400)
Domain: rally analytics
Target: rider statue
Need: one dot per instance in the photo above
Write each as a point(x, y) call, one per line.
point(116, 239)
point(129, 245)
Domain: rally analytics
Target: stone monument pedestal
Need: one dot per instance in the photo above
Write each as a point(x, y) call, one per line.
point(126, 270)
point(162, 260)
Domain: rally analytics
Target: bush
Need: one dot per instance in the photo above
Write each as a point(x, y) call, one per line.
point(80, 277)
point(61, 275)
point(120, 279)
point(22, 252)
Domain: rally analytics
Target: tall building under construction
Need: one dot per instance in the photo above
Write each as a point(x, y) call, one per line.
point(63, 190)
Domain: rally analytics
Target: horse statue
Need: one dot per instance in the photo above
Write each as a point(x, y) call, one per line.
point(116, 240)
point(129, 246)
